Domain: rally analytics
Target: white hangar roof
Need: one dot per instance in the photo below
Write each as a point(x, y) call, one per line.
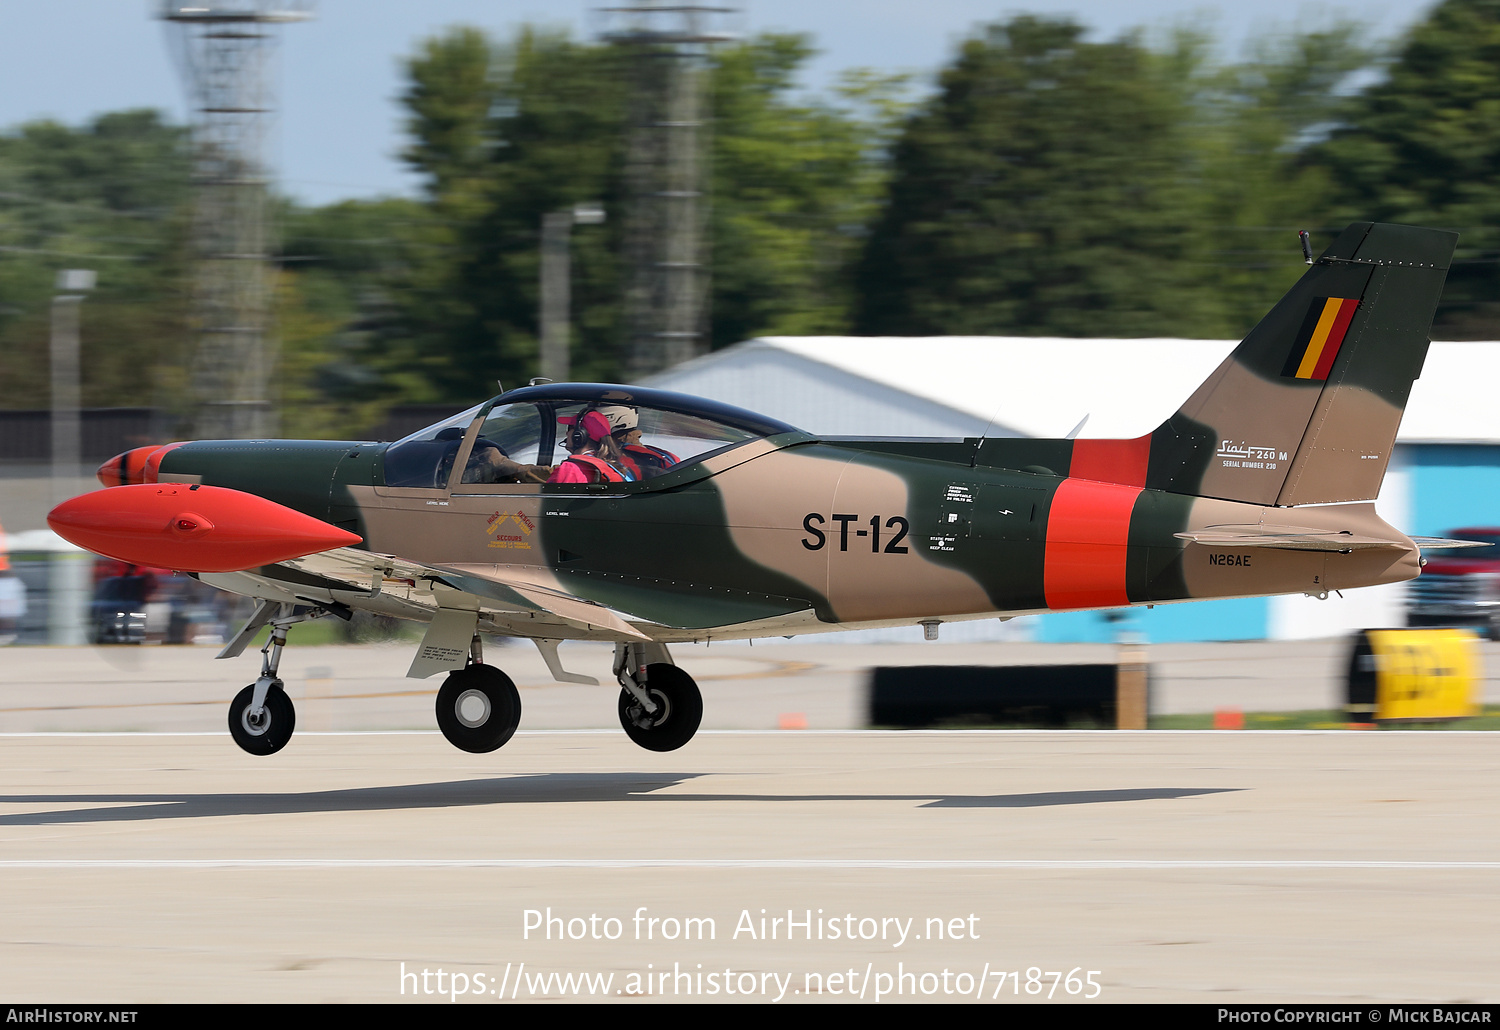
point(1032, 386)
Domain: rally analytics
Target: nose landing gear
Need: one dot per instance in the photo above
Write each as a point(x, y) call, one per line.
point(261, 717)
point(266, 731)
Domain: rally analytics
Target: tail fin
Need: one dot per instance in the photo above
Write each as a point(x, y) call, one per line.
point(1305, 410)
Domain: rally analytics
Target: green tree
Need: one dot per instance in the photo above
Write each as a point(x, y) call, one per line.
point(341, 331)
point(1423, 146)
point(449, 100)
point(1046, 189)
point(1254, 125)
point(503, 134)
point(110, 196)
point(795, 185)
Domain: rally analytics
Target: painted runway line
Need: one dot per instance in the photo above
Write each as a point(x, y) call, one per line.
point(811, 864)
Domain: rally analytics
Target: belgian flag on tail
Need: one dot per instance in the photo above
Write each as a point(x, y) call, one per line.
point(1321, 337)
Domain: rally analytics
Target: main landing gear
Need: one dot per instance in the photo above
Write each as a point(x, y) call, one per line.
point(478, 707)
point(660, 706)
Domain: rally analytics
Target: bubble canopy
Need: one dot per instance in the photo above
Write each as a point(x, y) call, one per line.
point(522, 436)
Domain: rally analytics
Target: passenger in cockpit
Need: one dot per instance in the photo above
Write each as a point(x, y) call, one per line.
point(625, 427)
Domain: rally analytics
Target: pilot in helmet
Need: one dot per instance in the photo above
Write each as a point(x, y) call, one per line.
point(595, 456)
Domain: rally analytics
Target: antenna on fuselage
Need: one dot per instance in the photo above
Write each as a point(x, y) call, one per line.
point(979, 444)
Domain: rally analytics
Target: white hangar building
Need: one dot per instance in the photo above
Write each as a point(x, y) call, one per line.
point(1445, 473)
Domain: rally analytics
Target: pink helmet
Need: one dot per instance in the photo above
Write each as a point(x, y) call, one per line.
point(594, 424)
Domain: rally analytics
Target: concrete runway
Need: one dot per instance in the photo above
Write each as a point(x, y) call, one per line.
point(1208, 867)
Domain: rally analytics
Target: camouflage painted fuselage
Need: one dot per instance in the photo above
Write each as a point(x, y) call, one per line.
point(1259, 484)
point(794, 534)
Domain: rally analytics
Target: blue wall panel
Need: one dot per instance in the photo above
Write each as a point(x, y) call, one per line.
point(1239, 618)
point(1453, 485)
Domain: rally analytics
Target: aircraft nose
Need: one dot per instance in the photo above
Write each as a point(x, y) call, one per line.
point(134, 466)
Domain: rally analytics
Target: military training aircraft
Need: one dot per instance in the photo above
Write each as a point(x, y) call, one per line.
point(595, 512)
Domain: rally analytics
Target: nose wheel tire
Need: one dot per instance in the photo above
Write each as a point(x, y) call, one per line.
point(268, 733)
point(478, 708)
point(679, 710)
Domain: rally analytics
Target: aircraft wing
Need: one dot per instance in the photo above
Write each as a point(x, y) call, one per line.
point(453, 588)
point(1286, 538)
point(525, 601)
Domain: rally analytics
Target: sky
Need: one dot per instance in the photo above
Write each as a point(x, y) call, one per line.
point(339, 127)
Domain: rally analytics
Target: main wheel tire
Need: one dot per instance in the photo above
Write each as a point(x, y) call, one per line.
point(478, 709)
point(680, 710)
point(271, 733)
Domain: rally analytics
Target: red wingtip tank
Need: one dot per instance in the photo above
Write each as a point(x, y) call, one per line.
point(191, 528)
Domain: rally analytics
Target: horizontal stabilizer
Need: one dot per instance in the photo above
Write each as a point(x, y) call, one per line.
point(1286, 538)
point(1437, 543)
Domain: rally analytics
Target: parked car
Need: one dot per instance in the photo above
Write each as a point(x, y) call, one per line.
point(1460, 587)
point(118, 612)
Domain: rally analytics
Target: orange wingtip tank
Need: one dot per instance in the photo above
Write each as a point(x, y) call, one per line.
point(135, 466)
point(191, 528)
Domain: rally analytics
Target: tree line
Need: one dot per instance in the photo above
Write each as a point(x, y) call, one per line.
point(1046, 184)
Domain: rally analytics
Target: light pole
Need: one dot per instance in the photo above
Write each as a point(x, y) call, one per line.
point(68, 575)
point(556, 286)
point(67, 447)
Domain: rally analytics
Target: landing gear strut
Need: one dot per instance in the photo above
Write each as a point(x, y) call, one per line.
point(261, 717)
point(660, 706)
point(478, 707)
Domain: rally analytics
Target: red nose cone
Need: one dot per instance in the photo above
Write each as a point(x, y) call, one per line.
point(192, 528)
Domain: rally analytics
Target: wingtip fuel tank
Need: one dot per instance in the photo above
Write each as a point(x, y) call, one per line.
point(192, 528)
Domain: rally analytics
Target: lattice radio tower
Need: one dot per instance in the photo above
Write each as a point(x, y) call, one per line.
point(666, 300)
point(225, 53)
